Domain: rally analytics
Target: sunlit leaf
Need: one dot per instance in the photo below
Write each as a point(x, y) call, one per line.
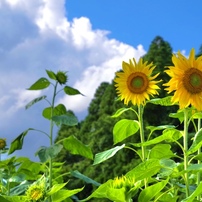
point(160, 151)
point(166, 101)
point(45, 153)
point(84, 178)
point(107, 191)
point(103, 156)
point(145, 169)
point(123, 129)
point(60, 109)
point(40, 84)
point(74, 146)
point(71, 91)
point(197, 142)
point(51, 74)
point(170, 135)
point(35, 101)
point(62, 194)
point(120, 111)
point(17, 143)
point(150, 192)
point(162, 127)
point(55, 188)
point(66, 119)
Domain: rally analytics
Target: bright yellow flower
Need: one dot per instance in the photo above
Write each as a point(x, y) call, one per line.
point(135, 83)
point(186, 80)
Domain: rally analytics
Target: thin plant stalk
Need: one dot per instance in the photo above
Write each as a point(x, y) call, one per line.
point(142, 137)
point(199, 152)
point(51, 137)
point(185, 144)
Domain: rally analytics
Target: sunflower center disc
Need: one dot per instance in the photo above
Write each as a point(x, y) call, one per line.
point(192, 80)
point(137, 82)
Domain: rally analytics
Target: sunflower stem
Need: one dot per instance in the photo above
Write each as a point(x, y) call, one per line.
point(51, 138)
point(199, 151)
point(185, 143)
point(142, 138)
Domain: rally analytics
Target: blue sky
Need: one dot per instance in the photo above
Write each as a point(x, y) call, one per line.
point(89, 39)
point(139, 21)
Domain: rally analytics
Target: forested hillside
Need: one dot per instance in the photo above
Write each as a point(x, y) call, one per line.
point(97, 128)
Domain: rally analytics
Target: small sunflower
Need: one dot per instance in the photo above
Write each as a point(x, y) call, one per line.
point(61, 77)
point(2, 144)
point(135, 83)
point(186, 80)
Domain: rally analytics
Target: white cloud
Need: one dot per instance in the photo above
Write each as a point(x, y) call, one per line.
point(36, 35)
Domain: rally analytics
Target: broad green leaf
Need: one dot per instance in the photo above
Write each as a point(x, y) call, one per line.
point(120, 111)
point(197, 115)
point(107, 191)
point(20, 189)
point(197, 143)
point(168, 167)
point(17, 143)
point(170, 135)
point(197, 192)
point(194, 167)
point(45, 153)
point(71, 91)
point(160, 151)
point(103, 156)
point(66, 119)
point(55, 188)
point(58, 110)
point(166, 101)
point(2, 199)
point(74, 146)
point(40, 84)
point(62, 194)
point(35, 101)
point(123, 129)
point(51, 74)
point(84, 178)
point(179, 115)
point(162, 127)
point(145, 169)
point(150, 192)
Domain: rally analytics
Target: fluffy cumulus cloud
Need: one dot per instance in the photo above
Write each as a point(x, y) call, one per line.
point(37, 35)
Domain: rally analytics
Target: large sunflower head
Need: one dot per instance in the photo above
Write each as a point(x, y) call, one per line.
point(136, 83)
point(186, 80)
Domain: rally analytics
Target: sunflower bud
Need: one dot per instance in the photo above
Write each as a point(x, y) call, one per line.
point(2, 143)
point(61, 77)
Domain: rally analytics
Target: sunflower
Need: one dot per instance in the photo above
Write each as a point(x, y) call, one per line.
point(186, 80)
point(135, 82)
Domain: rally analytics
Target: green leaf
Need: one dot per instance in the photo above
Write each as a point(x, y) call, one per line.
point(66, 119)
point(170, 134)
point(35, 101)
point(197, 192)
point(62, 194)
point(55, 188)
point(120, 111)
point(197, 143)
point(40, 84)
point(162, 127)
point(13, 198)
point(150, 192)
point(17, 143)
point(168, 167)
point(58, 110)
point(103, 156)
point(161, 151)
point(45, 153)
point(84, 178)
point(145, 169)
point(20, 189)
point(107, 191)
point(74, 146)
point(123, 129)
point(166, 101)
point(71, 91)
point(51, 74)
point(179, 115)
